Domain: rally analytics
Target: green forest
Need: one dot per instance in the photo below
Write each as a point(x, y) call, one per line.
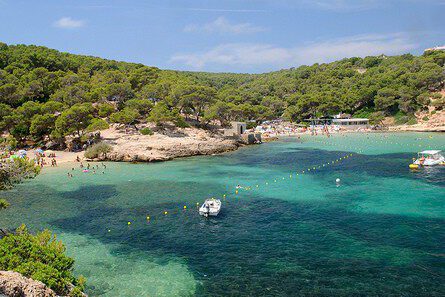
point(49, 95)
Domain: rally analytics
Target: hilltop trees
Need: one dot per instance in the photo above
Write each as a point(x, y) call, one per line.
point(47, 94)
point(74, 120)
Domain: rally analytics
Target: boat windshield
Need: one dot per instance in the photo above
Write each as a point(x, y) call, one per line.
point(429, 156)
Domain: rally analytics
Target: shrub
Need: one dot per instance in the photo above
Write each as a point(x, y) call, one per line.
point(143, 106)
point(376, 118)
point(40, 257)
point(105, 109)
point(364, 113)
point(126, 116)
point(146, 131)
point(97, 124)
point(4, 204)
point(16, 171)
point(97, 150)
point(439, 104)
point(251, 125)
point(425, 118)
point(436, 96)
point(411, 121)
point(181, 123)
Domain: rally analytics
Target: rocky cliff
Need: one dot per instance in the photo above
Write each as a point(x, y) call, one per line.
point(13, 284)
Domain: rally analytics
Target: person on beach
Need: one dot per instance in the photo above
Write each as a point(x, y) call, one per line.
point(77, 159)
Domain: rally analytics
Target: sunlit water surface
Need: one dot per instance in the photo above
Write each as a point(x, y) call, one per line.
point(380, 232)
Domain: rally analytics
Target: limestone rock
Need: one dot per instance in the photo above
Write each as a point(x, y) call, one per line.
point(13, 284)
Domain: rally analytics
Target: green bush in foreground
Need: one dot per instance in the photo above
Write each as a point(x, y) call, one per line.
point(40, 257)
point(146, 131)
point(4, 204)
point(97, 150)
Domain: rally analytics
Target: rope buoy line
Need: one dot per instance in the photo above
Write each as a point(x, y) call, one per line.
point(149, 218)
point(383, 141)
point(185, 208)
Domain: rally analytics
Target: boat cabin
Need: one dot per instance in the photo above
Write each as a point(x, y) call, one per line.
point(430, 154)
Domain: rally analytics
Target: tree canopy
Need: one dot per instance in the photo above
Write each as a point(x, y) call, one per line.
point(45, 93)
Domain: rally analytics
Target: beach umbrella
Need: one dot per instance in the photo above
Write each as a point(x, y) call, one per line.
point(22, 152)
point(14, 157)
point(39, 150)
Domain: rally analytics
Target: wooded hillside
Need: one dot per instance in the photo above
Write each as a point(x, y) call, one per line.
point(48, 94)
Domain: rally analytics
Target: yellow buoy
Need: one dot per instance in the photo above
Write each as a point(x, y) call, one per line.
point(236, 192)
point(129, 223)
point(185, 207)
point(165, 212)
point(148, 218)
point(413, 166)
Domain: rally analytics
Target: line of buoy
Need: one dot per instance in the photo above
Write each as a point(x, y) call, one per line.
point(298, 173)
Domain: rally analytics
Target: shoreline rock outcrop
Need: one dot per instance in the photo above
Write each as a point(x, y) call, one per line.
point(134, 147)
point(13, 284)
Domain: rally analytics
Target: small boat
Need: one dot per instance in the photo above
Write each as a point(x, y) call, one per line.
point(210, 207)
point(429, 158)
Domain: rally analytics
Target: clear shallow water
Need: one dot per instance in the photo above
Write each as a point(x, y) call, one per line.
point(380, 233)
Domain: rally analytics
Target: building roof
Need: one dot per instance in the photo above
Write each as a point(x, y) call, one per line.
point(350, 120)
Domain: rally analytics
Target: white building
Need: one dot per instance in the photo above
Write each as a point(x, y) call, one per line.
point(436, 48)
point(351, 123)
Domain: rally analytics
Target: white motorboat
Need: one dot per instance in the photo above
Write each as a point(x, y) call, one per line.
point(210, 207)
point(430, 158)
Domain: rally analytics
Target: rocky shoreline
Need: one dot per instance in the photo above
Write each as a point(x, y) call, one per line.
point(417, 128)
point(13, 284)
point(134, 147)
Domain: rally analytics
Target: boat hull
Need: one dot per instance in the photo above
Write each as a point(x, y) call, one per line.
point(430, 162)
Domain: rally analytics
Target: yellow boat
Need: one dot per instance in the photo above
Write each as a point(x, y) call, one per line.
point(413, 166)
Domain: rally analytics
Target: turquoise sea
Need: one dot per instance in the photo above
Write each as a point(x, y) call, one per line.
point(380, 232)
